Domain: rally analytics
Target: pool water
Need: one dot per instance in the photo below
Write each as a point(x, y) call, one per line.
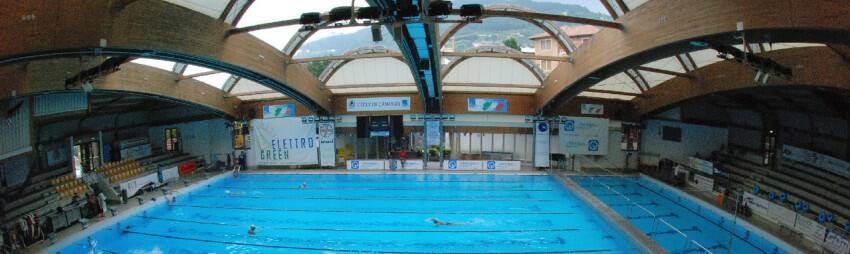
point(680, 224)
point(377, 213)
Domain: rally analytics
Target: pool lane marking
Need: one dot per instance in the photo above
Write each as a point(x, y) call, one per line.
point(374, 189)
point(700, 215)
point(295, 181)
point(371, 230)
point(355, 211)
point(339, 250)
point(376, 198)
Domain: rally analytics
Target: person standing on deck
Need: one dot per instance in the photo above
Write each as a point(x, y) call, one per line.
point(102, 198)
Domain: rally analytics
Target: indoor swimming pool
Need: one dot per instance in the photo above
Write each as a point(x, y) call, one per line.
point(376, 213)
point(679, 223)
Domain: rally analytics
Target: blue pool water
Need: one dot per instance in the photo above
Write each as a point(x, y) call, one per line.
point(381, 213)
point(695, 227)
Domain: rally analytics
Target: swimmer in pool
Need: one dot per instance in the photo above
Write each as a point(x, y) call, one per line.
point(303, 185)
point(252, 230)
point(438, 222)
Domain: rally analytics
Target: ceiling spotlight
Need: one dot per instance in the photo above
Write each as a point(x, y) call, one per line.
point(340, 13)
point(471, 10)
point(440, 8)
point(369, 13)
point(310, 18)
point(408, 11)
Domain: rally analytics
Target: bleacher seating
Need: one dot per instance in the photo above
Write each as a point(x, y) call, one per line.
point(67, 185)
point(823, 190)
point(116, 172)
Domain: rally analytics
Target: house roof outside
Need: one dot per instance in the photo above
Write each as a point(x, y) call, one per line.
point(571, 31)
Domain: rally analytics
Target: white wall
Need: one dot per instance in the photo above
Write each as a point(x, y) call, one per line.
point(695, 139)
point(15, 129)
point(205, 139)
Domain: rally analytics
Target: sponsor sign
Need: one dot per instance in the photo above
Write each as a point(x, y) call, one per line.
point(134, 152)
point(757, 204)
point(284, 141)
point(584, 135)
point(433, 132)
point(408, 164)
point(327, 144)
point(134, 185)
point(781, 215)
point(378, 104)
point(810, 229)
point(364, 164)
point(836, 243)
point(821, 161)
point(279, 110)
point(168, 174)
point(701, 165)
point(463, 165)
point(541, 144)
point(487, 105)
point(502, 165)
point(592, 109)
point(703, 183)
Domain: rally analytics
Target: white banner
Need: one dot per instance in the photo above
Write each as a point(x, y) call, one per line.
point(584, 135)
point(502, 165)
point(837, 243)
point(701, 165)
point(365, 164)
point(284, 141)
point(810, 229)
point(134, 185)
point(782, 215)
point(757, 204)
point(703, 183)
point(135, 152)
point(433, 133)
point(463, 165)
point(821, 161)
point(169, 174)
point(378, 104)
point(408, 165)
point(592, 109)
point(327, 144)
point(541, 144)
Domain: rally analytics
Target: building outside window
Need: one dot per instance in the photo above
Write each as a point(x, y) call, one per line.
point(172, 139)
point(545, 44)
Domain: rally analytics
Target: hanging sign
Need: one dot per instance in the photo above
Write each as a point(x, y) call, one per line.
point(592, 109)
point(487, 105)
point(378, 104)
point(279, 110)
point(814, 159)
point(584, 135)
point(433, 134)
point(284, 141)
point(541, 144)
point(327, 143)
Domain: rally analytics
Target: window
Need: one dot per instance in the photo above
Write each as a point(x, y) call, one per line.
point(671, 133)
point(546, 65)
point(172, 140)
point(769, 147)
point(86, 157)
point(545, 44)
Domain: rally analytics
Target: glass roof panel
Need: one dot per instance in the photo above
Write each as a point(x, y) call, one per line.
point(160, 64)
point(194, 69)
point(370, 90)
point(327, 41)
point(264, 96)
point(632, 4)
point(620, 82)
point(372, 71)
point(266, 11)
point(654, 78)
point(488, 70)
point(247, 86)
point(670, 64)
point(489, 89)
point(212, 8)
point(705, 57)
point(606, 96)
point(216, 80)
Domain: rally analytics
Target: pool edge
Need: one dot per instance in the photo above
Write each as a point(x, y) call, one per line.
point(636, 235)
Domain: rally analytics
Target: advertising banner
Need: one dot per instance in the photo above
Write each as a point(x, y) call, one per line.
point(502, 165)
point(592, 109)
point(378, 104)
point(757, 204)
point(810, 229)
point(365, 164)
point(487, 105)
point(408, 164)
point(836, 243)
point(327, 143)
point(822, 161)
point(433, 134)
point(463, 165)
point(284, 141)
point(703, 183)
point(584, 136)
point(279, 110)
point(701, 165)
point(134, 152)
point(541, 144)
point(781, 215)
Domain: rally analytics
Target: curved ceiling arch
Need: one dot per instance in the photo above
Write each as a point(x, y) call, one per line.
point(528, 64)
point(814, 67)
point(645, 39)
point(336, 65)
point(548, 27)
point(149, 29)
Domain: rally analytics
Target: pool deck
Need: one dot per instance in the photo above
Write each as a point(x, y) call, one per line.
point(638, 237)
